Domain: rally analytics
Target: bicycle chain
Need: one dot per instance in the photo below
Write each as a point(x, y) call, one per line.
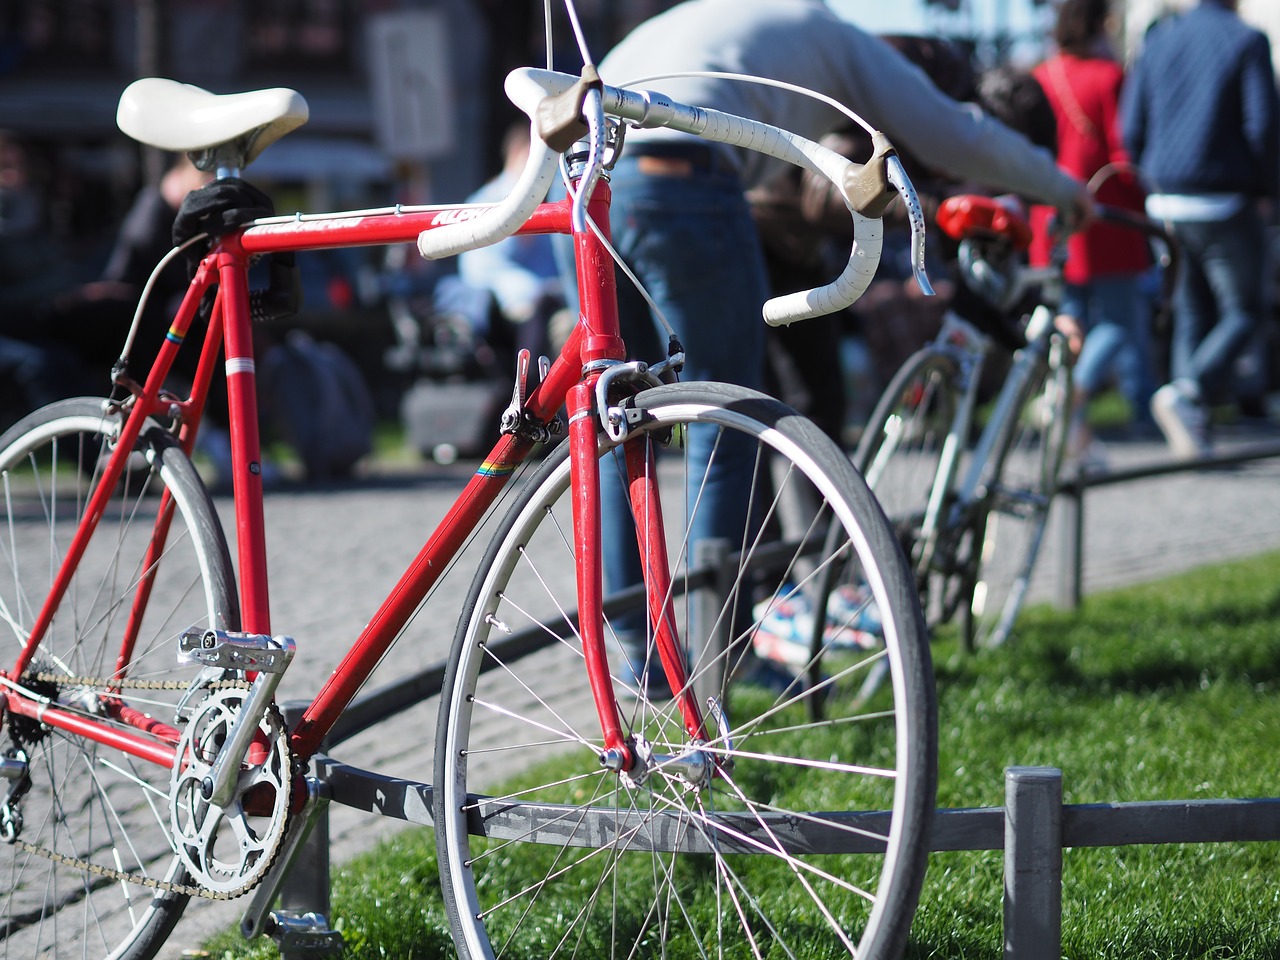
point(61, 679)
point(111, 873)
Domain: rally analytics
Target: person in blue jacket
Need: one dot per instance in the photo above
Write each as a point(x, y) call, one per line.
point(1201, 119)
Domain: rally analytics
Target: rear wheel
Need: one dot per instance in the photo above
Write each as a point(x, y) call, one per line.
point(1011, 528)
point(102, 813)
point(775, 830)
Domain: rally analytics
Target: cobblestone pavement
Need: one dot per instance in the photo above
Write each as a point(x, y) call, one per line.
point(335, 552)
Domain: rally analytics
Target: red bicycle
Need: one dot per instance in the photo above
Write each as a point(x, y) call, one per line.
point(145, 762)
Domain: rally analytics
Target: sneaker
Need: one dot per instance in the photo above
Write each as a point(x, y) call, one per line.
point(854, 609)
point(784, 630)
point(1182, 420)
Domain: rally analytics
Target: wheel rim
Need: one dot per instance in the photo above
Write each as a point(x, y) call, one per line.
point(612, 840)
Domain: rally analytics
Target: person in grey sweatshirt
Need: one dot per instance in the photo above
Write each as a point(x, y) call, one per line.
point(681, 221)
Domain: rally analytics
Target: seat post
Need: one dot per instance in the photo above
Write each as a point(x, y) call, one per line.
point(225, 160)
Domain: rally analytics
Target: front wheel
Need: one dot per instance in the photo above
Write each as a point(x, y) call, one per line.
point(1008, 531)
point(774, 834)
point(908, 463)
point(87, 867)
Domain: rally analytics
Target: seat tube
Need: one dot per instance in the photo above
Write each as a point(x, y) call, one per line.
point(246, 454)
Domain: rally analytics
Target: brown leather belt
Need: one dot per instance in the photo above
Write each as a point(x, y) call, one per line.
point(675, 159)
point(664, 166)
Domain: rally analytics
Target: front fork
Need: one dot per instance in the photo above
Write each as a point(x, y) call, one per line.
point(620, 751)
point(646, 508)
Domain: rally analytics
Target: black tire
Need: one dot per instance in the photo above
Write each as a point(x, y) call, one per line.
point(516, 717)
point(1009, 530)
point(88, 801)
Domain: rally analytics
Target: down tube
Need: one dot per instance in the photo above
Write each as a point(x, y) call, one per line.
point(376, 638)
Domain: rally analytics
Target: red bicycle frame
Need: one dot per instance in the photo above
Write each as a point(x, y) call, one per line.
point(570, 382)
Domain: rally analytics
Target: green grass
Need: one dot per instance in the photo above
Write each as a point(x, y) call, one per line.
point(1109, 409)
point(1161, 692)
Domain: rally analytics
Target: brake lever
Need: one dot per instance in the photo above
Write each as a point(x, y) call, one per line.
point(593, 111)
point(915, 214)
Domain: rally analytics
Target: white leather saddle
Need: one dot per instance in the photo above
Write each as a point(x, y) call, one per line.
point(183, 118)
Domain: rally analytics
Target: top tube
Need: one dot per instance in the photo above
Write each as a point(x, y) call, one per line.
point(381, 227)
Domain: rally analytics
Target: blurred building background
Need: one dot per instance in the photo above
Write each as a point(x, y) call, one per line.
point(433, 65)
point(404, 94)
point(406, 106)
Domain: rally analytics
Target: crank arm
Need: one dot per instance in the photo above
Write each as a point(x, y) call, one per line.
point(267, 655)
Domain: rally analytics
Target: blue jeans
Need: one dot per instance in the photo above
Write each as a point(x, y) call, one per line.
point(1115, 314)
point(1218, 300)
point(693, 245)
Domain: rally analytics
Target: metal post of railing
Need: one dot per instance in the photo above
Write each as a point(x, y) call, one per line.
point(1068, 508)
point(1033, 863)
point(306, 887)
point(712, 554)
point(1069, 505)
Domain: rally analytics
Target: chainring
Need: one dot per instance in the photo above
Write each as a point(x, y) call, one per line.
point(228, 850)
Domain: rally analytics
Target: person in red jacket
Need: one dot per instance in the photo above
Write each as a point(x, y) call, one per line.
point(1105, 263)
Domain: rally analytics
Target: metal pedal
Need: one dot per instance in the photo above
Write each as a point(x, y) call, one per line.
point(304, 936)
point(225, 650)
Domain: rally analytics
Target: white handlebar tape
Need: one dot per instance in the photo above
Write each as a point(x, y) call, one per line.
point(868, 239)
point(528, 86)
